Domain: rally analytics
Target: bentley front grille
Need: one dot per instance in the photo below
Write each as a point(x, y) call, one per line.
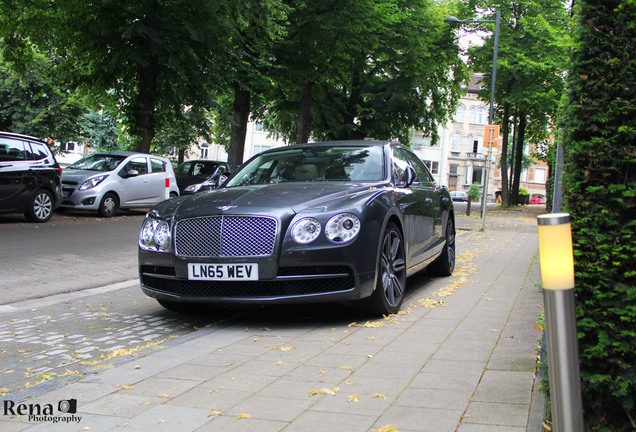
point(226, 236)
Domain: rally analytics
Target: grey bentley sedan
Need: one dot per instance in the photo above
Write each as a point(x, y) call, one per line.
point(319, 222)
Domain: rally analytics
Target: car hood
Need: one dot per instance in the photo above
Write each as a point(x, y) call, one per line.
point(75, 175)
point(271, 199)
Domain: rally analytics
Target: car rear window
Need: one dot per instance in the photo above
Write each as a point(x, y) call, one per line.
point(157, 165)
point(37, 152)
point(12, 150)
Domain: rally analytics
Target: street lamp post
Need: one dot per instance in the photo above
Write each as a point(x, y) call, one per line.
point(452, 20)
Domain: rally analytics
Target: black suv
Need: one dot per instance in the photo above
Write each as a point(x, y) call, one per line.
point(29, 177)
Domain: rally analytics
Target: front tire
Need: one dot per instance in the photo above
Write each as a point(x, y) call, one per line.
point(109, 205)
point(391, 284)
point(41, 207)
point(445, 262)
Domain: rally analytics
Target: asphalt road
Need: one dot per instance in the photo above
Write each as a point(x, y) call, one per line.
point(71, 252)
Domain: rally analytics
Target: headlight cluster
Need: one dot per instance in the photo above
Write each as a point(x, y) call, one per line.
point(92, 182)
point(155, 235)
point(341, 228)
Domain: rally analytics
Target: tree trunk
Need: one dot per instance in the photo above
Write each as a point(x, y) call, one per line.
point(240, 116)
point(518, 158)
point(305, 120)
point(144, 116)
point(505, 128)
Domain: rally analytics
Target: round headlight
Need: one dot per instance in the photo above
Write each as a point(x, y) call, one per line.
point(305, 230)
point(342, 228)
point(147, 233)
point(162, 235)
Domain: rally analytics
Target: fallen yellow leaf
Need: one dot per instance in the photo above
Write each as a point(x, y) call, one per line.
point(387, 428)
point(278, 363)
point(281, 348)
point(379, 396)
point(353, 398)
point(330, 392)
point(163, 395)
point(243, 416)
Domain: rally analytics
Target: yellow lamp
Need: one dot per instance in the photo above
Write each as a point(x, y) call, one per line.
point(555, 251)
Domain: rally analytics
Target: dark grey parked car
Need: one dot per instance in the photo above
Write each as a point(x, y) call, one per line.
point(29, 177)
point(198, 175)
point(318, 222)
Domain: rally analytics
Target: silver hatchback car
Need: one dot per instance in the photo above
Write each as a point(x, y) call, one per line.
point(106, 182)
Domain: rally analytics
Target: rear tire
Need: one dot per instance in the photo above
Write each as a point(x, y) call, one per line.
point(41, 207)
point(445, 262)
point(391, 269)
point(109, 205)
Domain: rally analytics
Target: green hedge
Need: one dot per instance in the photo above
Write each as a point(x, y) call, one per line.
point(600, 193)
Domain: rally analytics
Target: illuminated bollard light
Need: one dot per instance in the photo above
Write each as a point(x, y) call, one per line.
point(557, 274)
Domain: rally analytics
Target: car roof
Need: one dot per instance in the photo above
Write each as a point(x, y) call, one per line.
point(362, 143)
point(128, 153)
point(201, 161)
point(21, 136)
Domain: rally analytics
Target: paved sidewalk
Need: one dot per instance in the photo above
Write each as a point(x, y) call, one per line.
point(461, 356)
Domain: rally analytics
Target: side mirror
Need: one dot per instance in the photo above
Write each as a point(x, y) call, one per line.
point(221, 179)
point(132, 173)
point(409, 176)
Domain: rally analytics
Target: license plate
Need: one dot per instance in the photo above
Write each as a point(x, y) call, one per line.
point(222, 272)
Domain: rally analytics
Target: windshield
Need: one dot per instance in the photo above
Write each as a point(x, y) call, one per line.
point(352, 163)
point(98, 162)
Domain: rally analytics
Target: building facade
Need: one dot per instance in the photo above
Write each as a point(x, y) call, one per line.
point(458, 160)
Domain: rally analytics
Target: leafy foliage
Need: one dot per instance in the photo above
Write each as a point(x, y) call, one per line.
point(372, 68)
point(100, 130)
point(600, 193)
point(531, 65)
point(33, 103)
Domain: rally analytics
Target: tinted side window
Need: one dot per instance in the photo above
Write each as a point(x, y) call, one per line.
point(139, 164)
point(398, 167)
point(12, 150)
point(423, 175)
point(38, 152)
point(157, 165)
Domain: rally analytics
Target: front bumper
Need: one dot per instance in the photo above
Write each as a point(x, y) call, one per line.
point(322, 275)
point(77, 199)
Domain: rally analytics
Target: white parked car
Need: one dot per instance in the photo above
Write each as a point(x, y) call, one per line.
point(459, 196)
point(106, 182)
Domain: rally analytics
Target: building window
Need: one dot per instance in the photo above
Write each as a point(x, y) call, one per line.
point(459, 114)
point(454, 169)
point(540, 175)
point(477, 144)
point(433, 166)
point(204, 152)
point(477, 173)
point(456, 142)
point(479, 115)
point(258, 127)
point(67, 146)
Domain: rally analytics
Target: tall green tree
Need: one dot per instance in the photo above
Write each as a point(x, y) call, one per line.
point(600, 193)
point(34, 103)
point(100, 131)
point(151, 56)
point(370, 68)
point(531, 65)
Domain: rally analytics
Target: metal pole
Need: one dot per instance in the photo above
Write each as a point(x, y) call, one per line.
point(490, 119)
point(565, 380)
point(557, 190)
